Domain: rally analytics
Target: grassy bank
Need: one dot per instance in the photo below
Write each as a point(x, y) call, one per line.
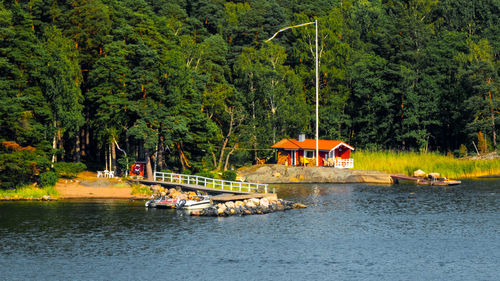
point(27, 192)
point(407, 162)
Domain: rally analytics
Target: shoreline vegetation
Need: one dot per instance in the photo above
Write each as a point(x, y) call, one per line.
point(394, 162)
point(391, 162)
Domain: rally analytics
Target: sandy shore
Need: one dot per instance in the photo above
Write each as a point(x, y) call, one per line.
point(87, 185)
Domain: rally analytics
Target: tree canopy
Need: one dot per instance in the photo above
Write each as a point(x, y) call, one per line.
point(192, 85)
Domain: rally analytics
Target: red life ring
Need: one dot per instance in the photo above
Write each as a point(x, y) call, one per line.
point(344, 164)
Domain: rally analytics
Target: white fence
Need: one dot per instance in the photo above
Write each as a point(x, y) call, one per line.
point(344, 163)
point(211, 183)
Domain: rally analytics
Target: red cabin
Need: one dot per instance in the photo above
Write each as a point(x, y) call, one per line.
point(302, 152)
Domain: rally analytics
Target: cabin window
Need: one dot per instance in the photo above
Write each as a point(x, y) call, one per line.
point(309, 153)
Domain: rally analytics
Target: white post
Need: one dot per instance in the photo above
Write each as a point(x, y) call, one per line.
point(317, 97)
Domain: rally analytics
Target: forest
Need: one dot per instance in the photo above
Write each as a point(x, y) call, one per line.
point(192, 85)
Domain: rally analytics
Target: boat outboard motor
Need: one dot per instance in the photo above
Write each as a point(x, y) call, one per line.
point(180, 203)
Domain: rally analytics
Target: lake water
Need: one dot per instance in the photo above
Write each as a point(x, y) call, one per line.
point(348, 232)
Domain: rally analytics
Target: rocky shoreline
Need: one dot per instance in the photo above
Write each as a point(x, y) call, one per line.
point(273, 173)
point(252, 206)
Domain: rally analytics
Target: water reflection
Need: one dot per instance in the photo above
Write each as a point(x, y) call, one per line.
point(348, 232)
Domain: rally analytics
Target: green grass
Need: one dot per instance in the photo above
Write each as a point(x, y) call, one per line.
point(406, 162)
point(141, 190)
point(27, 192)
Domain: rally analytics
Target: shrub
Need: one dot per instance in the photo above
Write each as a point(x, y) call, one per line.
point(20, 165)
point(206, 174)
point(229, 175)
point(48, 179)
point(69, 170)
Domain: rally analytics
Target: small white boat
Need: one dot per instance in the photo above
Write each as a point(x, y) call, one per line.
point(199, 202)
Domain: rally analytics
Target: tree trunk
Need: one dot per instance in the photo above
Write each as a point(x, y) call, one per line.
point(54, 142)
point(149, 170)
point(106, 158)
point(82, 143)
point(492, 111)
point(227, 157)
point(113, 157)
point(77, 148)
point(226, 139)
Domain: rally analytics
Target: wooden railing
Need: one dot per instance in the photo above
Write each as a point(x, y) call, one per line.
point(211, 183)
point(344, 163)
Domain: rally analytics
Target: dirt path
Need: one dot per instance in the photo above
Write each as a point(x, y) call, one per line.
point(87, 185)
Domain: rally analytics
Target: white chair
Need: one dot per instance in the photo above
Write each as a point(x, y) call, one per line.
point(106, 173)
point(99, 174)
point(111, 174)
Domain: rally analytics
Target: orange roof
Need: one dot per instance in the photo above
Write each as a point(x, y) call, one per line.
point(310, 144)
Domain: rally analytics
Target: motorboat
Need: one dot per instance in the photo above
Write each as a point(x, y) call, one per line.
point(166, 203)
point(151, 203)
point(197, 202)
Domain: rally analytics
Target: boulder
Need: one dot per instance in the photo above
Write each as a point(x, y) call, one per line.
point(239, 204)
point(247, 212)
point(230, 204)
point(264, 203)
point(299, 206)
point(182, 196)
point(45, 198)
point(195, 213)
point(255, 201)
point(419, 173)
point(250, 204)
point(277, 175)
point(221, 210)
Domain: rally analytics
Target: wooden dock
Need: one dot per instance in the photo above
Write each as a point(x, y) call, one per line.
point(209, 185)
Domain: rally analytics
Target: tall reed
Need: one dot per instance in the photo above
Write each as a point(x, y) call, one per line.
point(407, 162)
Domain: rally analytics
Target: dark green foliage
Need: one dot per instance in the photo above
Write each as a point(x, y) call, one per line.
point(69, 170)
point(48, 179)
point(206, 174)
point(193, 86)
point(229, 175)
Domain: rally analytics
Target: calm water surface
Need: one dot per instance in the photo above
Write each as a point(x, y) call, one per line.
point(349, 232)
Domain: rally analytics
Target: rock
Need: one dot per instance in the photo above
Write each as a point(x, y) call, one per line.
point(195, 213)
point(250, 204)
point(419, 173)
point(221, 210)
point(277, 175)
point(239, 204)
point(45, 198)
point(264, 202)
point(255, 201)
point(182, 196)
point(247, 212)
point(299, 206)
point(163, 193)
point(230, 204)
point(172, 190)
point(232, 211)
